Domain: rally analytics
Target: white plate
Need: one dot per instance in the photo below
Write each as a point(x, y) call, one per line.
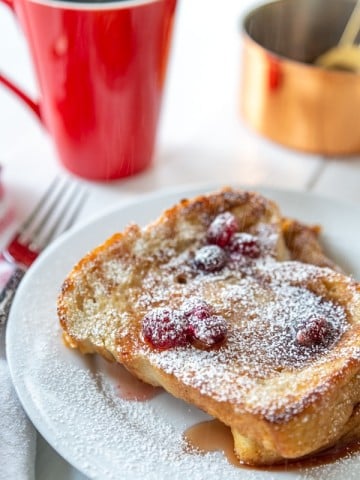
point(71, 398)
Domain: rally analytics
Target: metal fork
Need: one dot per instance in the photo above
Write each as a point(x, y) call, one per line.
point(55, 212)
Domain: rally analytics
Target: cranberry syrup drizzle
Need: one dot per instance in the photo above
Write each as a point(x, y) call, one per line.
point(127, 386)
point(130, 388)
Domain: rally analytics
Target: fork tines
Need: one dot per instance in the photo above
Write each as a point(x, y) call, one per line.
point(54, 213)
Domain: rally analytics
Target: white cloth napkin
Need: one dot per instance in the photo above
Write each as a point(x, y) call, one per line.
point(17, 434)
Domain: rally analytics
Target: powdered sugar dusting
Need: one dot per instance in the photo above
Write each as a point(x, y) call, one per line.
point(265, 304)
point(111, 438)
point(72, 401)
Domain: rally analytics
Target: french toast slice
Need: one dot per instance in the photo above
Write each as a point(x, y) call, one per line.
point(303, 243)
point(206, 303)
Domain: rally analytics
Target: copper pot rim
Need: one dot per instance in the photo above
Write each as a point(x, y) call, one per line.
point(251, 11)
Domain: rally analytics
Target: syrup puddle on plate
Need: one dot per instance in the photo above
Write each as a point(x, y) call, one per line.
point(212, 436)
point(129, 387)
point(126, 385)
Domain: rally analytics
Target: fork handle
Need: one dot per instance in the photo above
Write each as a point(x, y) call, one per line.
point(8, 293)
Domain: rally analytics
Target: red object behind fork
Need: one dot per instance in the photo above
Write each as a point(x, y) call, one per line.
point(19, 253)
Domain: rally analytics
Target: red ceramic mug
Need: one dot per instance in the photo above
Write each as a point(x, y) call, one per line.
point(100, 68)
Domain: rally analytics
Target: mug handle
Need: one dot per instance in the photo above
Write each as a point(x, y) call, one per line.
point(34, 106)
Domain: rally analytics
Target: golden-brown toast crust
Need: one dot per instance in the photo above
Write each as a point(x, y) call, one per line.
point(280, 400)
point(303, 243)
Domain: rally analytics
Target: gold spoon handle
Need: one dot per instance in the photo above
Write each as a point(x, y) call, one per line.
point(352, 27)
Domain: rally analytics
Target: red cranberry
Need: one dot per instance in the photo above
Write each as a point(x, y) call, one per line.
point(197, 308)
point(209, 332)
point(210, 258)
point(163, 328)
point(314, 332)
point(245, 245)
point(222, 229)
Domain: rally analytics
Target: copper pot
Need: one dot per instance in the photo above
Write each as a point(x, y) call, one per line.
point(287, 98)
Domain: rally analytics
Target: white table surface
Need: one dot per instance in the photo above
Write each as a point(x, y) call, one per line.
point(201, 137)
